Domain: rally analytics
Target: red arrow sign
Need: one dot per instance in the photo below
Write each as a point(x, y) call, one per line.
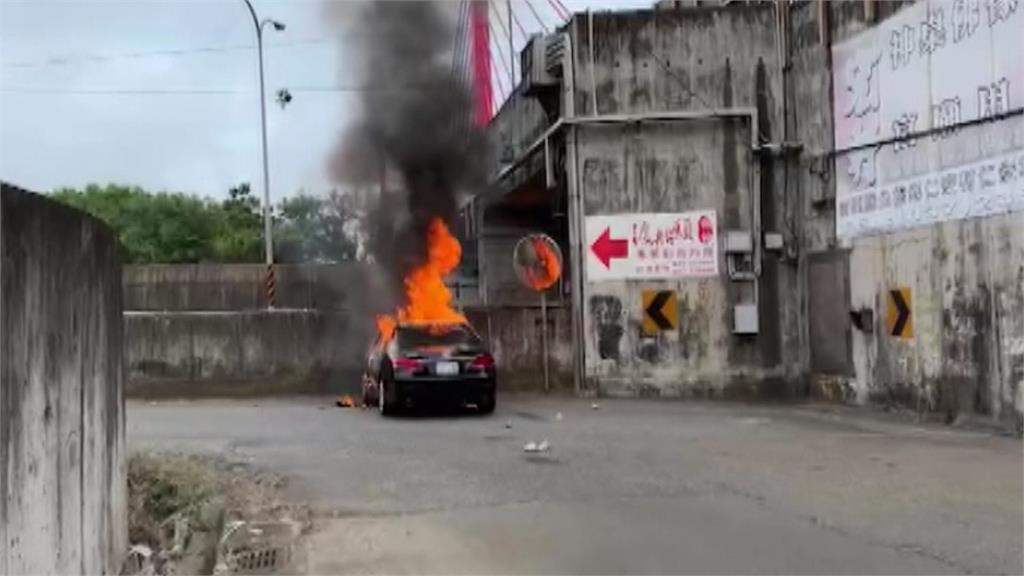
point(606, 248)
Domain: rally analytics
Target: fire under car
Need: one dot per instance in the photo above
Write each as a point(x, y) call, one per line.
point(419, 364)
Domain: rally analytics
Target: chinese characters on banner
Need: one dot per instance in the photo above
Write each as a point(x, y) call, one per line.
point(924, 113)
point(991, 186)
point(648, 246)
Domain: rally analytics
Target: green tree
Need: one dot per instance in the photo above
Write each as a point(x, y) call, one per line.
point(316, 229)
point(165, 227)
point(178, 228)
point(239, 234)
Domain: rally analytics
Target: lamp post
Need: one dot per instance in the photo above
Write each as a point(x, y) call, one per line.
point(267, 229)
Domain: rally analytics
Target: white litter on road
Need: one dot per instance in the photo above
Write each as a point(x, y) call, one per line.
point(543, 446)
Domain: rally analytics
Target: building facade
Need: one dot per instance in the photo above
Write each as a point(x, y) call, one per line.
point(775, 199)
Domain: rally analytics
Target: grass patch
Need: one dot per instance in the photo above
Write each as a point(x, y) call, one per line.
point(163, 489)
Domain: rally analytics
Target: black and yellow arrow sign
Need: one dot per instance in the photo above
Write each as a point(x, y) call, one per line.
point(660, 311)
point(898, 316)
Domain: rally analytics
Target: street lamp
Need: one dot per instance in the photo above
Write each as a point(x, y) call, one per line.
point(267, 232)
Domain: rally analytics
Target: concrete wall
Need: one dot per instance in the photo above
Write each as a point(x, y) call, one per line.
point(514, 334)
point(193, 354)
point(203, 330)
point(62, 453)
point(197, 287)
point(964, 276)
point(686, 60)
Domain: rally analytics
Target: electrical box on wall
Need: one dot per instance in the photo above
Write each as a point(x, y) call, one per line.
point(738, 242)
point(744, 319)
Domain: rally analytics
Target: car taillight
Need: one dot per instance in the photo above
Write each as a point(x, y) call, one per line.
point(483, 361)
point(408, 364)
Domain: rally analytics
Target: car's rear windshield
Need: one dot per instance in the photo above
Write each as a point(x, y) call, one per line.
point(436, 335)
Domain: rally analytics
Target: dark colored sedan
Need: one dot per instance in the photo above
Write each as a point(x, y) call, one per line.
point(423, 362)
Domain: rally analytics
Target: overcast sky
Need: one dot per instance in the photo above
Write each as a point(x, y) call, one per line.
point(163, 93)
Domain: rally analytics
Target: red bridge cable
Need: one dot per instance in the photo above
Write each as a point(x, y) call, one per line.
point(481, 61)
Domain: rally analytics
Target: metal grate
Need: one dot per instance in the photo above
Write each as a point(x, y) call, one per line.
point(257, 561)
point(258, 548)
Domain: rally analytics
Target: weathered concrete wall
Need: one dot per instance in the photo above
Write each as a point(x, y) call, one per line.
point(62, 453)
point(197, 287)
point(966, 354)
point(191, 354)
point(203, 330)
point(964, 276)
point(515, 337)
point(686, 60)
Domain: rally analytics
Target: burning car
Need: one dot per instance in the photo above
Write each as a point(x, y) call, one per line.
point(420, 362)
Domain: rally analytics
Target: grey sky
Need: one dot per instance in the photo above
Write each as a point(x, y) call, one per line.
point(163, 93)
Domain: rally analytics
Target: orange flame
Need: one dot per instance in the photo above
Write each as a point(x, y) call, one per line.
point(427, 298)
point(549, 269)
point(386, 325)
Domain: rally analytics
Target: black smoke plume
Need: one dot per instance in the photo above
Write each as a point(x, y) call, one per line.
point(415, 129)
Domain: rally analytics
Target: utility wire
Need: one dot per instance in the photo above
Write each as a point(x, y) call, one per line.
point(537, 17)
point(95, 58)
point(519, 25)
point(210, 91)
point(501, 60)
point(459, 37)
point(507, 36)
point(501, 84)
point(564, 11)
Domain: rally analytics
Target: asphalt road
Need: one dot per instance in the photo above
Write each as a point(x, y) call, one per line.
point(633, 487)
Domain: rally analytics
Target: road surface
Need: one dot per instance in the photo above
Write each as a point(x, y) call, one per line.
point(632, 487)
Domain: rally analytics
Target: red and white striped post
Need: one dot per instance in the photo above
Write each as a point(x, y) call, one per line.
point(271, 286)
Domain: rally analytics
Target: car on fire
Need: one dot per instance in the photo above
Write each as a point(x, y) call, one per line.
point(419, 363)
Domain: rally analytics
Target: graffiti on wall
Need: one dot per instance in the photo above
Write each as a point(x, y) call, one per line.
point(910, 85)
point(606, 318)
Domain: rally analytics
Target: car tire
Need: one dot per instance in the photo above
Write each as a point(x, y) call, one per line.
point(387, 396)
point(487, 403)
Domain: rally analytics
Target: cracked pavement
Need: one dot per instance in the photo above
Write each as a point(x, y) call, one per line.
point(634, 487)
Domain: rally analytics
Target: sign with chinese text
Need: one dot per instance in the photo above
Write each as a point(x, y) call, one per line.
point(650, 246)
point(931, 66)
point(984, 188)
point(927, 120)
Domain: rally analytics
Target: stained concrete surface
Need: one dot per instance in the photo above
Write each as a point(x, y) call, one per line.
point(634, 487)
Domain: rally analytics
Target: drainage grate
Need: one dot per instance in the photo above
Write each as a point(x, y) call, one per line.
point(258, 548)
point(257, 561)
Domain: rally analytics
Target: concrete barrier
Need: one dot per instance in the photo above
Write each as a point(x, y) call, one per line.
point(514, 334)
point(244, 353)
point(202, 330)
point(209, 287)
point(62, 453)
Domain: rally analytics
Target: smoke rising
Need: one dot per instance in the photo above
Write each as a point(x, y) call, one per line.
point(414, 129)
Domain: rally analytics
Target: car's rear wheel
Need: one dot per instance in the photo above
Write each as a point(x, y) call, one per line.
point(387, 394)
point(486, 403)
